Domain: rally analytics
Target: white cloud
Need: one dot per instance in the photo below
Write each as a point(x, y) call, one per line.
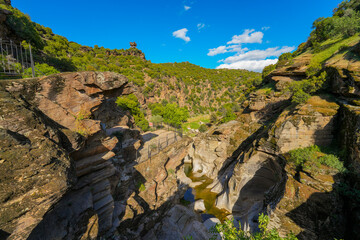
point(252, 65)
point(186, 8)
point(249, 36)
point(182, 34)
point(218, 50)
point(253, 60)
point(200, 26)
point(265, 28)
point(258, 54)
point(225, 49)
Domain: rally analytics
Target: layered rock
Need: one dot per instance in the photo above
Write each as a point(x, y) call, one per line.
point(215, 148)
point(35, 168)
point(310, 207)
point(76, 100)
point(63, 180)
point(156, 186)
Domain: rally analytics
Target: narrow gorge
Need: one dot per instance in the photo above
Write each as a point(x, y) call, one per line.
point(74, 164)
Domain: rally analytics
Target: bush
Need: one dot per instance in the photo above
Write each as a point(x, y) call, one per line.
point(309, 157)
point(229, 232)
point(227, 113)
point(203, 128)
point(301, 90)
point(141, 187)
point(332, 161)
point(213, 118)
point(40, 70)
point(171, 113)
point(156, 119)
point(131, 103)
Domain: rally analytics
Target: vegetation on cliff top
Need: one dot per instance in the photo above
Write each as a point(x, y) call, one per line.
point(331, 36)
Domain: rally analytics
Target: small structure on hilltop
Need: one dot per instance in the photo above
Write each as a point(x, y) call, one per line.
point(133, 45)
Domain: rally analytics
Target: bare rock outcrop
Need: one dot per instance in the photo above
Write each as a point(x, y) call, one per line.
point(156, 186)
point(35, 168)
point(56, 183)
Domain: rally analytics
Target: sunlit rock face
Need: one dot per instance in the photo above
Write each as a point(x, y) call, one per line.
point(50, 174)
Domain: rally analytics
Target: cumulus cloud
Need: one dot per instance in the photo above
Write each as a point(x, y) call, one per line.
point(225, 49)
point(249, 36)
point(218, 50)
point(252, 65)
point(244, 58)
point(258, 54)
point(200, 26)
point(187, 8)
point(182, 34)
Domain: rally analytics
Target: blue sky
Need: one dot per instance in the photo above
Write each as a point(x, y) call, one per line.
point(209, 33)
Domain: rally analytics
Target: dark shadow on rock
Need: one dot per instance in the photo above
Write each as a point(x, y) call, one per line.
point(227, 168)
point(148, 136)
point(4, 235)
point(272, 109)
point(265, 189)
point(321, 216)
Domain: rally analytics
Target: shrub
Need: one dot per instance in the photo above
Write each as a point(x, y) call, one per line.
point(213, 118)
point(141, 187)
point(156, 119)
point(309, 157)
point(228, 231)
point(40, 70)
point(131, 103)
point(332, 161)
point(301, 90)
point(227, 113)
point(203, 128)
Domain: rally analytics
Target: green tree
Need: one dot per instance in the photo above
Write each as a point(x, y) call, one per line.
point(131, 103)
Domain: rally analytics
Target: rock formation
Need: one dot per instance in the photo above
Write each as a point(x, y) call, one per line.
point(57, 168)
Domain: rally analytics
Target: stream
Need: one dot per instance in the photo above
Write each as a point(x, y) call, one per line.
point(202, 192)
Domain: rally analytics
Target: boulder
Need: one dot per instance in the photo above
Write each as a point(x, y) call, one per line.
point(199, 206)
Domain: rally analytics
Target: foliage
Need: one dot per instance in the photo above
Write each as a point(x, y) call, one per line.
point(141, 187)
point(131, 103)
point(307, 158)
point(171, 113)
point(344, 23)
point(229, 232)
point(267, 70)
point(213, 118)
point(203, 128)
point(302, 90)
point(23, 27)
point(156, 119)
point(227, 113)
point(350, 192)
point(40, 70)
point(285, 59)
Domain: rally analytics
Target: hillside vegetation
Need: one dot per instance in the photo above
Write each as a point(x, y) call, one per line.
point(332, 40)
point(199, 89)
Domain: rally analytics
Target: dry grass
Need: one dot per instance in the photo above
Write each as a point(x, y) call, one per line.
point(320, 104)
